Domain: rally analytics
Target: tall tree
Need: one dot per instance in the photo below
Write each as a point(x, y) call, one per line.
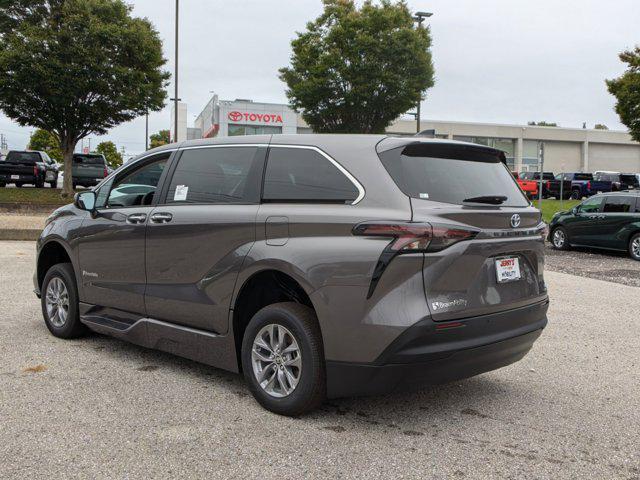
point(78, 67)
point(358, 69)
point(160, 138)
point(626, 89)
point(46, 142)
point(110, 152)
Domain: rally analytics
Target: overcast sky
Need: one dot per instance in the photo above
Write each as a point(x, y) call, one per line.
point(501, 61)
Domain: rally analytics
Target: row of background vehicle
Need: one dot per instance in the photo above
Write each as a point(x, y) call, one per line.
point(576, 185)
point(37, 168)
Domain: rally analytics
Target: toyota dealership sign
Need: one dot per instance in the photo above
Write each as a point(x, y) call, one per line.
point(252, 117)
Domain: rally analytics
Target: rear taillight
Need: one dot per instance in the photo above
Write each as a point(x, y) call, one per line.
point(106, 172)
point(35, 170)
point(588, 185)
point(415, 237)
point(548, 184)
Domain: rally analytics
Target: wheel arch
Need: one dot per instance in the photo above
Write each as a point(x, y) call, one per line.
point(51, 253)
point(262, 287)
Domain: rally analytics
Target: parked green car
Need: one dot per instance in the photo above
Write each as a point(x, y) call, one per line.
point(89, 169)
point(609, 221)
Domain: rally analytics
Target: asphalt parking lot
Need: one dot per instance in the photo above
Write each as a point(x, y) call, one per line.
point(100, 408)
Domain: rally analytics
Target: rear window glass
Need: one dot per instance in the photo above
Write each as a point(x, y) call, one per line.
point(88, 159)
point(452, 174)
point(23, 157)
point(583, 176)
point(617, 204)
point(629, 179)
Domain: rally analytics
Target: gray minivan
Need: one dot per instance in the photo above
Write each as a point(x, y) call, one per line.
point(317, 265)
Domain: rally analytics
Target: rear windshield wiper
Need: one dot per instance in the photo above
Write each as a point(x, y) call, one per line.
point(490, 199)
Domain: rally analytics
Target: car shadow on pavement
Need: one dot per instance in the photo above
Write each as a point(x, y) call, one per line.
point(389, 412)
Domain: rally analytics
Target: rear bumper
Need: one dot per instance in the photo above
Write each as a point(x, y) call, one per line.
point(432, 353)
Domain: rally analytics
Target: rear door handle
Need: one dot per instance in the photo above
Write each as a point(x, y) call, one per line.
point(136, 218)
point(163, 217)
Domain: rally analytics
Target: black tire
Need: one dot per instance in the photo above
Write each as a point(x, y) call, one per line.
point(39, 184)
point(18, 185)
point(53, 184)
point(2, 185)
point(634, 247)
point(560, 239)
point(575, 194)
point(302, 323)
point(72, 327)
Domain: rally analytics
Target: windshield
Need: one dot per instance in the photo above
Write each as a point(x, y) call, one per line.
point(23, 157)
point(453, 174)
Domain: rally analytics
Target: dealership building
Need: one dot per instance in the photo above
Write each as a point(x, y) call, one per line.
point(565, 149)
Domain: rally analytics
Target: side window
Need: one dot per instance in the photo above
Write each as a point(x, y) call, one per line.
point(592, 205)
point(303, 175)
point(217, 175)
point(135, 188)
point(618, 204)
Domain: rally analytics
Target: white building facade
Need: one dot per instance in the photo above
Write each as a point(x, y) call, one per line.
point(565, 149)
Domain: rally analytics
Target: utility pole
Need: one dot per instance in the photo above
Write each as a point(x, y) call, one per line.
point(419, 17)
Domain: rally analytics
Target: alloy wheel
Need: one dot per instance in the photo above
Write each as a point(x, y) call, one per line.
point(57, 302)
point(276, 360)
point(635, 247)
point(559, 238)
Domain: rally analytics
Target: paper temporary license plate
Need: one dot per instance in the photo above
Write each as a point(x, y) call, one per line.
point(508, 269)
point(15, 177)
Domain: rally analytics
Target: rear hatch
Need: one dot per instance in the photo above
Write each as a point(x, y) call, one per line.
point(459, 188)
point(22, 164)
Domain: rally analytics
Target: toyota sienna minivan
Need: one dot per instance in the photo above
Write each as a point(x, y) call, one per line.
point(319, 266)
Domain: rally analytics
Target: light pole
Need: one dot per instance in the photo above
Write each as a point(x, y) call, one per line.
point(419, 17)
point(146, 131)
point(175, 79)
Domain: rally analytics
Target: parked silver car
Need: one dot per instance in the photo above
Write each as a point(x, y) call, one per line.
point(317, 265)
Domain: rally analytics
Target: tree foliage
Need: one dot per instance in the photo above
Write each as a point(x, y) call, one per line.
point(46, 142)
point(600, 126)
point(78, 67)
point(626, 89)
point(160, 138)
point(358, 69)
point(543, 124)
point(110, 152)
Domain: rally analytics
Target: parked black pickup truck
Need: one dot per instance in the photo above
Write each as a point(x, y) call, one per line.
point(28, 167)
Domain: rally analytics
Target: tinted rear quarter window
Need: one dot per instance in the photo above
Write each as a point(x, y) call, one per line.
point(305, 175)
point(88, 159)
point(619, 204)
point(452, 173)
point(217, 175)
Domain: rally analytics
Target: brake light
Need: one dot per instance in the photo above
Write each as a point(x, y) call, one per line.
point(35, 170)
point(415, 237)
point(106, 172)
point(548, 184)
point(588, 185)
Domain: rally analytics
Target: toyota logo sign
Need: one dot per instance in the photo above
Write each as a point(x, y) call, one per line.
point(235, 116)
point(515, 221)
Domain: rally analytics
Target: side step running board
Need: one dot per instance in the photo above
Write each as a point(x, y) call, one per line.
point(198, 345)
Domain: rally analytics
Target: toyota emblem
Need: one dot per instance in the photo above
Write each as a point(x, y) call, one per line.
point(515, 220)
point(235, 116)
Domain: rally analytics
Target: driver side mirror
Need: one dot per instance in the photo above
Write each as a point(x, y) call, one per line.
point(576, 210)
point(85, 201)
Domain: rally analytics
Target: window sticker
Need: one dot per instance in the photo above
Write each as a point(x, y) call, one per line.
point(181, 193)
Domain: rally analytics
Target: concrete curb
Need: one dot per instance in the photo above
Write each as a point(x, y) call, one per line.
point(27, 208)
point(19, 234)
